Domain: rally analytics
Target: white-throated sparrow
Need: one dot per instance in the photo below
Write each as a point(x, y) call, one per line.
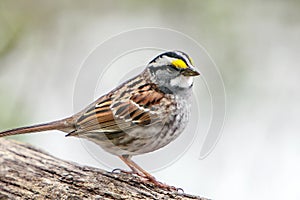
point(141, 115)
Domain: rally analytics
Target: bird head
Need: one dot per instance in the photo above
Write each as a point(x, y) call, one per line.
point(173, 70)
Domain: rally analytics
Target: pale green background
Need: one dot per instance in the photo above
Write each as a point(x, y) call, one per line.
point(254, 43)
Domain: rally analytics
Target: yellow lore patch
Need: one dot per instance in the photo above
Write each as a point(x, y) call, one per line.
point(179, 64)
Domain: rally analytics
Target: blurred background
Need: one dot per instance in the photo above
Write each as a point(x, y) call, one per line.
point(255, 44)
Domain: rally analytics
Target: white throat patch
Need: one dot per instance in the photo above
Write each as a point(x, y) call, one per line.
point(182, 81)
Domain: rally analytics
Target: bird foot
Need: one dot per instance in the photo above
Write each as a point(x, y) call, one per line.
point(132, 172)
point(148, 179)
point(161, 185)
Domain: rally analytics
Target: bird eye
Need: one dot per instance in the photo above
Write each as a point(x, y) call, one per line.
point(171, 69)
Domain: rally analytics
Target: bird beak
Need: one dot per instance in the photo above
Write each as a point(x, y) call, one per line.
point(190, 72)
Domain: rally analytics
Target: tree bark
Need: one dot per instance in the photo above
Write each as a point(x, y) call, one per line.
point(29, 173)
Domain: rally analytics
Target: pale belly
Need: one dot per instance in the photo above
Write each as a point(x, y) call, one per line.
point(143, 139)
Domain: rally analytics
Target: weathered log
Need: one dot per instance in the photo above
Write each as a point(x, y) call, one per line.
point(29, 173)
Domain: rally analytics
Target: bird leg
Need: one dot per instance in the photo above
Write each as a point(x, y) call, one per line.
point(126, 159)
point(136, 169)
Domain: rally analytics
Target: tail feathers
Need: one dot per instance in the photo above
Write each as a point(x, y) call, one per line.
point(65, 125)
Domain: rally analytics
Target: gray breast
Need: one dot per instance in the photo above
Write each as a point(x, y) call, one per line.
point(170, 130)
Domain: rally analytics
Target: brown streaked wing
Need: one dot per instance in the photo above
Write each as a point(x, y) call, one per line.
point(138, 108)
point(109, 116)
point(98, 117)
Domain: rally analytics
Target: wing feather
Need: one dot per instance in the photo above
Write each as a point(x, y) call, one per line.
point(109, 116)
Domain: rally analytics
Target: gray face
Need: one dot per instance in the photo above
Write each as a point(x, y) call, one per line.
point(173, 71)
point(165, 74)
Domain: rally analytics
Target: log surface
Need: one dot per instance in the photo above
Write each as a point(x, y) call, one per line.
point(29, 173)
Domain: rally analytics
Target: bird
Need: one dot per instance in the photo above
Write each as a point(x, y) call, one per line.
point(141, 115)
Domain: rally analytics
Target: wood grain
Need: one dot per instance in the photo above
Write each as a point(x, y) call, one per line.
point(29, 173)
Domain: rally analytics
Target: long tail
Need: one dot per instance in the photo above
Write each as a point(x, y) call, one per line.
point(65, 125)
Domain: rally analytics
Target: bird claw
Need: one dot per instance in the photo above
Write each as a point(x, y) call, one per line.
point(180, 190)
point(148, 179)
point(162, 185)
point(118, 170)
